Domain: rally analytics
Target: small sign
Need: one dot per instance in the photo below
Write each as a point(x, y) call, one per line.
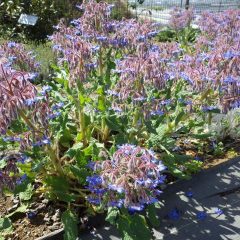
point(28, 19)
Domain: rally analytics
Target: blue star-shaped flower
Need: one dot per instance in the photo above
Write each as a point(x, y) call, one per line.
point(201, 215)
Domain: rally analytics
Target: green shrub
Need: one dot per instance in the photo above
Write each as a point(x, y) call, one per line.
point(48, 11)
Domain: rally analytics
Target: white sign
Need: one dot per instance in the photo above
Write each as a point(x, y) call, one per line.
point(28, 19)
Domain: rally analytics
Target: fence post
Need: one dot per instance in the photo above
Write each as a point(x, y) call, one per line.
point(220, 6)
point(187, 4)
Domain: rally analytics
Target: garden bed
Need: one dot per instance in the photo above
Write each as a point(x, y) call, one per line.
point(127, 110)
point(46, 225)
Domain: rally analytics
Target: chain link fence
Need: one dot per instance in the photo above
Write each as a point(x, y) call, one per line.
point(159, 10)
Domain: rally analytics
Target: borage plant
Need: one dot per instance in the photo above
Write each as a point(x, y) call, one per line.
point(115, 93)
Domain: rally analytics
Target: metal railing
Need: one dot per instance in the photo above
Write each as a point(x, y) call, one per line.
point(160, 9)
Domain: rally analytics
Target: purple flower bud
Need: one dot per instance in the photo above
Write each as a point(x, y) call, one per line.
point(228, 55)
point(11, 44)
point(21, 179)
point(95, 49)
point(118, 203)
point(229, 79)
point(32, 76)
point(94, 180)
point(157, 113)
point(152, 34)
point(94, 201)
point(209, 108)
point(101, 38)
point(31, 215)
point(186, 78)
point(135, 208)
point(58, 106)
point(30, 102)
point(46, 141)
point(116, 188)
point(54, 115)
point(45, 89)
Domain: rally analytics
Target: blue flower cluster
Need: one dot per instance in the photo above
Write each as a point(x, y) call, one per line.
point(40, 143)
point(130, 179)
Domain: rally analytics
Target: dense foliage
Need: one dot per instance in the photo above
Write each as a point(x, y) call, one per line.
point(119, 112)
point(49, 13)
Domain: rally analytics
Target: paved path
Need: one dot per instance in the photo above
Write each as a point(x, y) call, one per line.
point(215, 188)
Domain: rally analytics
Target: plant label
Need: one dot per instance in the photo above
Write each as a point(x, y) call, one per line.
point(28, 19)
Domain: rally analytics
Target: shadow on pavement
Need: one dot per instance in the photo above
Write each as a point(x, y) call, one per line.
point(216, 188)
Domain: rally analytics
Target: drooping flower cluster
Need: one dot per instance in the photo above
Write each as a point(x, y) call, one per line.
point(83, 45)
point(181, 18)
point(214, 63)
point(20, 99)
point(15, 90)
point(19, 58)
point(130, 179)
point(9, 174)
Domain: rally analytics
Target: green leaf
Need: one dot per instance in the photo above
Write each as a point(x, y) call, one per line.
point(21, 209)
point(80, 173)
point(27, 194)
point(74, 151)
point(21, 187)
point(179, 118)
point(5, 225)
point(140, 228)
point(123, 225)
point(162, 131)
point(152, 216)
point(120, 139)
point(113, 123)
point(60, 188)
point(201, 136)
point(101, 103)
point(112, 215)
point(70, 225)
point(27, 169)
point(133, 227)
point(88, 151)
point(3, 163)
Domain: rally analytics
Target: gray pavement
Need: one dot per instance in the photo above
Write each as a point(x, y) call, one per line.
point(218, 187)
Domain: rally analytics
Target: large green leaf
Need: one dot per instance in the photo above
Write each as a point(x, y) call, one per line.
point(27, 194)
point(70, 225)
point(80, 173)
point(113, 123)
point(21, 209)
point(133, 227)
point(112, 215)
point(140, 228)
point(5, 225)
point(3, 163)
point(60, 188)
point(152, 216)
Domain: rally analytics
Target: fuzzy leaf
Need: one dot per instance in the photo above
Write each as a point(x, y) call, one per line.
point(112, 215)
point(133, 227)
point(3, 163)
point(152, 215)
point(21, 209)
point(5, 225)
point(27, 194)
point(79, 173)
point(70, 225)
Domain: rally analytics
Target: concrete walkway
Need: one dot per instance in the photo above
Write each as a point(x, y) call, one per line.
point(218, 187)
